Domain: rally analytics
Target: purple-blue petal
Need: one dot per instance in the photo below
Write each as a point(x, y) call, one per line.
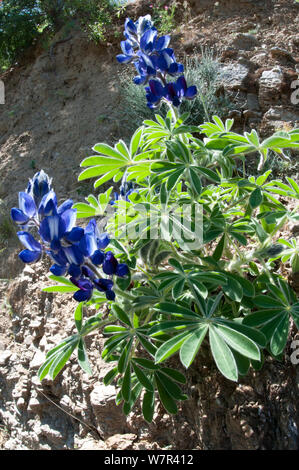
point(58, 270)
point(110, 295)
point(122, 270)
point(97, 258)
point(82, 295)
point(75, 235)
point(52, 228)
point(74, 270)
point(73, 254)
point(103, 284)
point(103, 241)
point(123, 58)
point(29, 241)
point(27, 204)
point(66, 205)
point(162, 43)
point(29, 256)
point(69, 217)
point(110, 263)
point(191, 92)
point(18, 216)
point(130, 26)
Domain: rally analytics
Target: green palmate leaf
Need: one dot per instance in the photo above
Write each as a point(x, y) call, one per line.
point(148, 346)
point(124, 357)
point(243, 363)
point(121, 315)
point(65, 286)
point(60, 359)
point(109, 151)
point(172, 388)
point(223, 356)
point(233, 290)
point(82, 357)
point(256, 198)
point(172, 325)
point(145, 363)
point(126, 385)
point(178, 288)
point(255, 335)
point(174, 374)
point(113, 343)
point(110, 376)
point(166, 399)
point(210, 174)
point(136, 141)
point(143, 379)
point(135, 392)
point(170, 347)
point(280, 335)
point(238, 341)
point(148, 406)
point(266, 301)
point(79, 316)
point(191, 346)
point(219, 249)
point(84, 210)
point(177, 310)
point(195, 181)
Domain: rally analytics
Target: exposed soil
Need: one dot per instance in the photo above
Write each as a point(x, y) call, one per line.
point(57, 107)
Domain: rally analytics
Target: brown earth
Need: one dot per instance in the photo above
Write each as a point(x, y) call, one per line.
point(57, 107)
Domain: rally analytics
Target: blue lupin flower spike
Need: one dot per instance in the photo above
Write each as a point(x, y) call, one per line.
point(75, 251)
point(154, 61)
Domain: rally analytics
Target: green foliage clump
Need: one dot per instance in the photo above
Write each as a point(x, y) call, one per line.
point(23, 21)
point(19, 21)
point(208, 279)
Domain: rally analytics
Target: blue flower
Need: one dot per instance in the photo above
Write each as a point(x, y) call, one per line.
point(146, 68)
point(105, 285)
point(173, 92)
point(86, 289)
point(93, 240)
point(154, 93)
point(27, 209)
point(111, 266)
point(125, 190)
point(167, 63)
point(128, 53)
point(33, 250)
point(39, 186)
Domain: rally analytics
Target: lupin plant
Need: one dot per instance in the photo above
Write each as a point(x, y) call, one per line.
point(193, 237)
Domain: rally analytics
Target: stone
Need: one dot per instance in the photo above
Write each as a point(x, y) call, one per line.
point(282, 55)
point(109, 417)
point(90, 444)
point(270, 86)
point(260, 59)
point(4, 357)
point(245, 42)
point(121, 441)
point(233, 76)
point(38, 359)
point(281, 113)
point(35, 405)
point(253, 102)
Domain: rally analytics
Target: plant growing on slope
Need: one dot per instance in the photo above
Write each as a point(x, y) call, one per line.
point(193, 243)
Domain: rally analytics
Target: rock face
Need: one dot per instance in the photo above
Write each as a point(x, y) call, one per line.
point(270, 87)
